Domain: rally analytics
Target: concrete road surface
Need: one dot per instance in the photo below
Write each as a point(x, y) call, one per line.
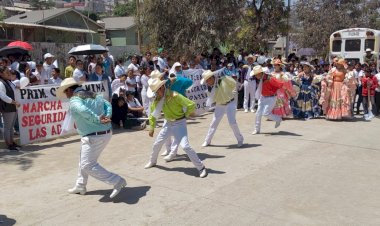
point(314, 172)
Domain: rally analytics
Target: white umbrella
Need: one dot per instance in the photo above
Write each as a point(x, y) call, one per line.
point(89, 49)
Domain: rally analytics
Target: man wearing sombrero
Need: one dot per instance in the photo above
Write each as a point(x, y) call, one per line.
point(176, 109)
point(92, 115)
point(249, 85)
point(267, 90)
point(222, 94)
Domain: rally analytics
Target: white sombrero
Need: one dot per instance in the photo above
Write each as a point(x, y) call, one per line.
point(154, 85)
point(256, 70)
point(68, 82)
point(206, 75)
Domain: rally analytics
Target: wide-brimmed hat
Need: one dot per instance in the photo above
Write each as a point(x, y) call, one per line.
point(67, 83)
point(177, 64)
point(308, 64)
point(251, 56)
point(206, 75)
point(256, 70)
point(277, 62)
point(156, 74)
point(154, 85)
point(48, 55)
point(341, 62)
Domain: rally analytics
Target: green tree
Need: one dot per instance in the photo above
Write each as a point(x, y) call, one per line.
point(93, 16)
point(188, 26)
point(128, 9)
point(261, 21)
point(318, 19)
point(2, 15)
point(41, 4)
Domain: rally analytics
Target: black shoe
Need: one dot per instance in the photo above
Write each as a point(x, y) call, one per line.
point(12, 148)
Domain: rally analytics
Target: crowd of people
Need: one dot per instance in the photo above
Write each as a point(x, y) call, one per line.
point(311, 89)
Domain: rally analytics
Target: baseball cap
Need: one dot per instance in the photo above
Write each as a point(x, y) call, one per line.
point(48, 55)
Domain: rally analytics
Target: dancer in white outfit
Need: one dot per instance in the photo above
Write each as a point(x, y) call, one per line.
point(223, 96)
point(249, 85)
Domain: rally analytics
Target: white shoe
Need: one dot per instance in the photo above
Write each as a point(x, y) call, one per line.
point(205, 144)
point(117, 188)
point(278, 123)
point(255, 132)
point(169, 157)
point(240, 143)
point(77, 190)
point(149, 165)
point(203, 173)
point(253, 111)
point(165, 153)
point(246, 111)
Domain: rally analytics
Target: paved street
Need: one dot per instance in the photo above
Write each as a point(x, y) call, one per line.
point(312, 172)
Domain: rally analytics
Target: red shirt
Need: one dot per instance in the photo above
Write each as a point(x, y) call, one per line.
point(270, 86)
point(365, 80)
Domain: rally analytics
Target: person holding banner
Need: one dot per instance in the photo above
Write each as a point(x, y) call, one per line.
point(8, 107)
point(222, 94)
point(267, 91)
point(92, 115)
point(176, 109)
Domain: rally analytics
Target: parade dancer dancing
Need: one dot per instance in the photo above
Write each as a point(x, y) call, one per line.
point(176, 109)
point(267, 90)
point(222, 94)
point(92, 115)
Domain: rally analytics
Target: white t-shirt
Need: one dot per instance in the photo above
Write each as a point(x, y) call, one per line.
point(134, 68)
point(119, 70)
point(378, 79)
point(144, 83)
point(117, 84)
point(55, 81)
point(46, 71)
point(131, 81)
point(134, 103)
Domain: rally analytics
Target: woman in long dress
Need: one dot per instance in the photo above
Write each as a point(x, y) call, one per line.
point(335, 97)
point(306, 105)
point(282, 107)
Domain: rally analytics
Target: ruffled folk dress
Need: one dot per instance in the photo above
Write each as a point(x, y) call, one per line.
point(336, 95)
point(282, 107)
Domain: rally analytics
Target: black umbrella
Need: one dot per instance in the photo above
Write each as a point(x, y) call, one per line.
point(13, 50)
point(89, 49)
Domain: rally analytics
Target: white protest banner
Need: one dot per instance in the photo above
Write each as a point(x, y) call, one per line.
point(197, 92)
point(41, 113)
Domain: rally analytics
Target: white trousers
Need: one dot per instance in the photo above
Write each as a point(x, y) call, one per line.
point(145, 103)
point(92, 147)
point(249, 91)
point(265, 107)
point(178, 130)
point(219, 112)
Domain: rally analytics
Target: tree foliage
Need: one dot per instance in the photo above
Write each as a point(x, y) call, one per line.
point(41, 4)
point(318, 19)
point(261, 20)
point(128, 9)
point(188, 26)
point(93, 16)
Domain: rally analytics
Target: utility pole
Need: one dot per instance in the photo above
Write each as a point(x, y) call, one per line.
point(287, 36)
point(138, 25)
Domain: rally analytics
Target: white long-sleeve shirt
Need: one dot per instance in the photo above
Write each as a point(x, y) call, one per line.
point(3, 92)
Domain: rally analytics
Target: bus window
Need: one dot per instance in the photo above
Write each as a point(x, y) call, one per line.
point(369, 43)
point(337, 46)
point(352, 45)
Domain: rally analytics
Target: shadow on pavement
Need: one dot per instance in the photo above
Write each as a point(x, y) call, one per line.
point(42, 145)
point(283, 133)
point(5, 221)
point(128, 195)
point(234, 146)
point(24, 160)
point(202, 156)
point(189, 171)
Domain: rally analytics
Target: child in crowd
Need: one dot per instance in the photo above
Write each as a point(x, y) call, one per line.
point(55, 77)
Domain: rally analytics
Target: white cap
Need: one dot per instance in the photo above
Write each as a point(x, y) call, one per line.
point(155, 58)
point(177, 64)
point(368, 50)
point(47, 55)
